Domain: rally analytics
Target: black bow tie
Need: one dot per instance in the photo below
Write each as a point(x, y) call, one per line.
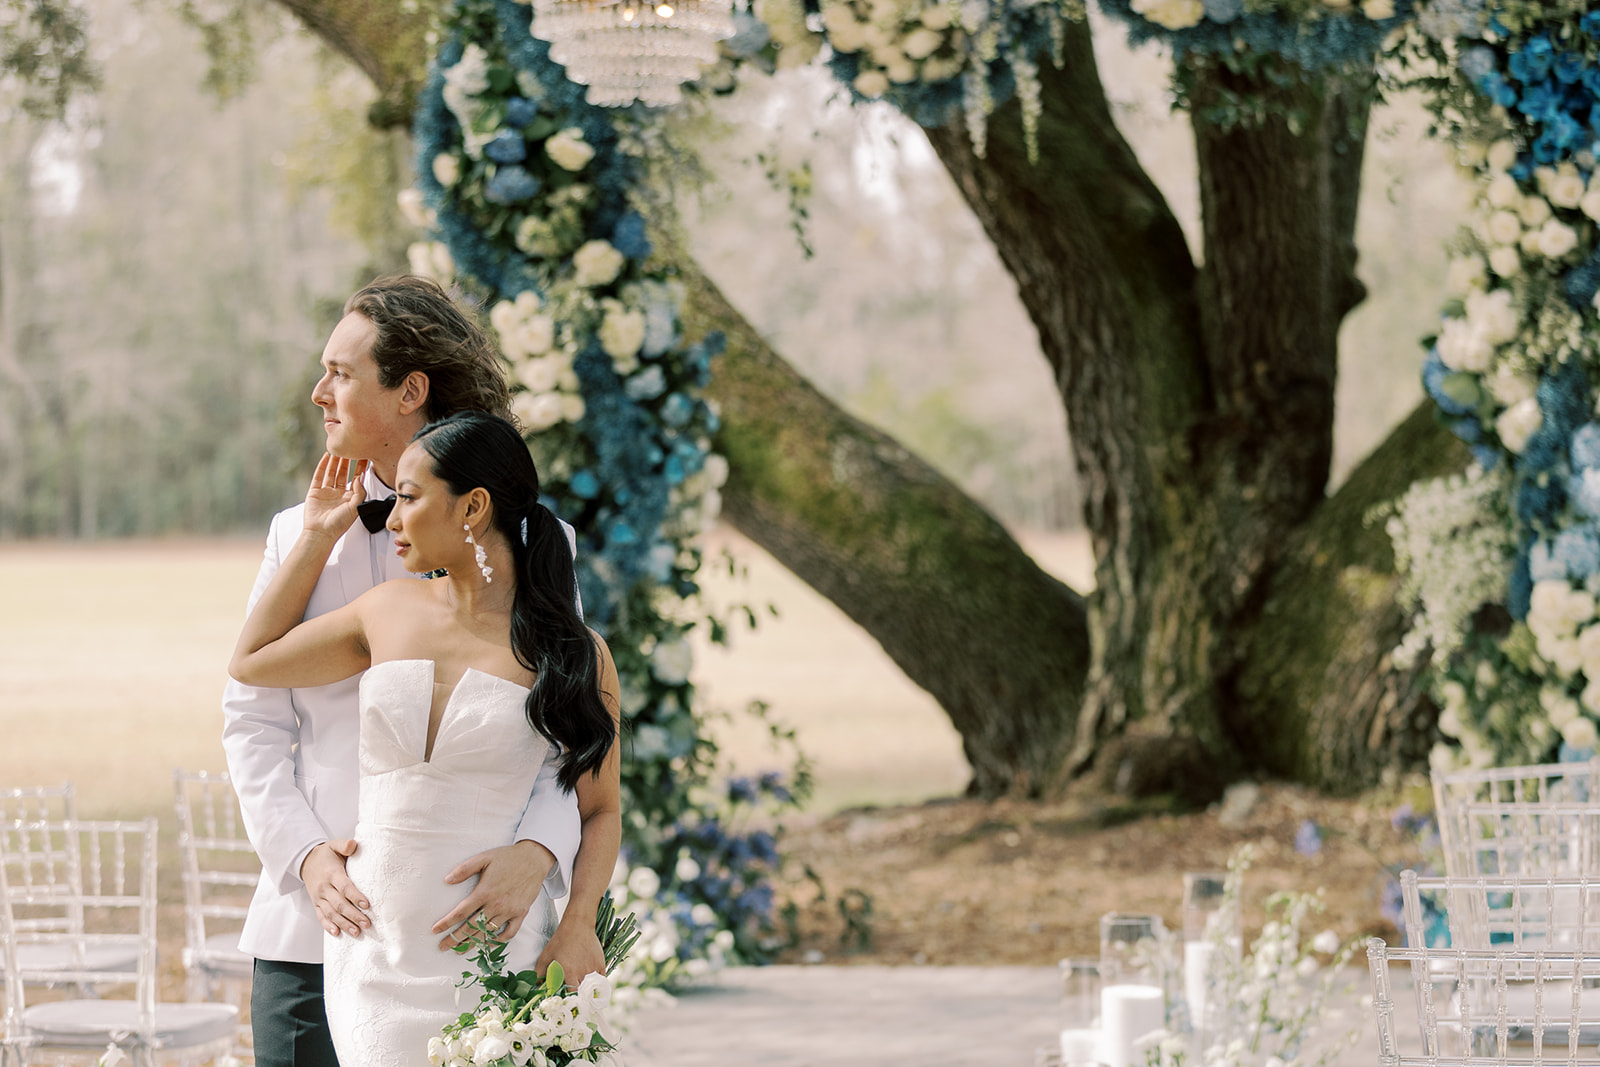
point(374, 513)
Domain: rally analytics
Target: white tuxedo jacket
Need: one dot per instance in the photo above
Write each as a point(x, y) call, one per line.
point(292, 755)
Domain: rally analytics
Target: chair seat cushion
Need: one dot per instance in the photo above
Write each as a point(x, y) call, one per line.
point(91, 1023)
point(62, 957)
point(223, 956)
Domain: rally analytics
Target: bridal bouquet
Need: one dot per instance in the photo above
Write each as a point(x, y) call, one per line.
point(522, 1019)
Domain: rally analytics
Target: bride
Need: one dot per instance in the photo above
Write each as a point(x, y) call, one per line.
point(472, 682)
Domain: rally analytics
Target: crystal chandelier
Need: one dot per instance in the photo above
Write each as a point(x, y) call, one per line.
point(624, 50)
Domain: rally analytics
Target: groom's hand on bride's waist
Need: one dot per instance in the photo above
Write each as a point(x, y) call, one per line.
point(341, 907)
point(509, 880)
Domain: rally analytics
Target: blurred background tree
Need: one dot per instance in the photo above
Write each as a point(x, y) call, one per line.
point(1241, 618)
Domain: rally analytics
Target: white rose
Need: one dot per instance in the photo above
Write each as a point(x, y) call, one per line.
point(702, 915)
point(414, 208)
point(572, 407)
point(622, 333)
point(1561, 653)
point(1504, 228)
point(1533, 211)
point(1494, 314)
point(1502, 154)
point(1466, 275)
point(597, 263)
point(537, 411)
point(569, 150)
point(1591, 204)
point(849, 35)
point(1474, 154)
point(687, 870)
point(1378, 9)
point(536, 334)
point(1503, 192)
point(871, 83)
point(1566, 188)
point(503, 317)
point(936, 17)
point(1580, 733)
point(1450, 722)
point(723, 939)
point(1589, 650)
point(1518, 423)
point(644, 883)
point(1556, 239)
point(922, 43)
point(902, 71)
point(431, 259)
point(671, 661)
point(1173, 14)
point(716, 470)
point(538, 375)
point(1591, 700)
point(1505, 262)
point(1464, 346)
point(446, 169)
point(1529, 244)
point(1558, 706)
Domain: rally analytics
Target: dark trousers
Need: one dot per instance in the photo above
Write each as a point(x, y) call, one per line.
point(287, 1019)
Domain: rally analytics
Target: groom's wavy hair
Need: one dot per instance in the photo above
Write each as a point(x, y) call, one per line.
point(471, 450)
point(421, 329)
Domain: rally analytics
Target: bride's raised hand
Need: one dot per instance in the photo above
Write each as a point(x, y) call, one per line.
point(334, 494)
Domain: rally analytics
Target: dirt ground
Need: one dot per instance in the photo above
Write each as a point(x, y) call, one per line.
point(974, 883)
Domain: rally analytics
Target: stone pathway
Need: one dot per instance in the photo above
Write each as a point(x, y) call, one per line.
point(878, 1017)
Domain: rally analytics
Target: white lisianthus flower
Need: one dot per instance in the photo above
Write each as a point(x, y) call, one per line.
point(1566, 188)
point(538, 375)
point(1502, 154)
point(573, 407)
point(644, 883)
point(871, 83)
point(1590, 204)
point(446, 169)
point(537, 411)
point(1378, 9)
point(671, 661)
point(597, 262)
point(621, 334)
point(1466, 275)
point(1505, 262)
point(1518, 423)
point(1503, 228)
point(493, 1046)
point(568, 149)
point(1580, 733)
point(414, 208)
point(594, 992)
point(922, 42)
point(1503, 192)
point(1494, 313)
point(1556, 239)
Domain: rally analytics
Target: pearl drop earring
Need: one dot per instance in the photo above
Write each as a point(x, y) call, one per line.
point(479, 554)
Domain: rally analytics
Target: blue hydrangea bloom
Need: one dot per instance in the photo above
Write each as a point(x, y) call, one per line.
point(1487, 456)
point(1476, 62)
point(628, 236)
point(672, 470)
point(1568, 754)
point(1586, 447)
point(520, 111)
point(661, 559)
point(621, 533)
point(584, 485)
point(1224, 10)
point(660, 329)
point(1584, 488)
point(647, 384)
point(507, 147)
point(1434, 373)
point(677, 410)
point(1467, 428)
point(1542, 563)
point(511, 185)
point(1540, 504)
point(1583, 281)
point(1569, 67)
point(1577, 549)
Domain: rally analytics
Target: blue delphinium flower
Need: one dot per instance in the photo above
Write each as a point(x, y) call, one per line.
point(1308, 839)
point(1569, 67)
point(511, 185)
point(507, 147)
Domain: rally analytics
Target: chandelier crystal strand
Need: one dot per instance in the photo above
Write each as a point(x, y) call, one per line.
point(625, 51)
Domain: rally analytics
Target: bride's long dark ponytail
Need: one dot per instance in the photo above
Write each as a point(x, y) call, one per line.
point(471, 450)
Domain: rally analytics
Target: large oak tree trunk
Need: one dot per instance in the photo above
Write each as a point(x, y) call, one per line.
point(1240, 623)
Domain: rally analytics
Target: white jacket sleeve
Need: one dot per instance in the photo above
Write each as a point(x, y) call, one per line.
point(260, 729)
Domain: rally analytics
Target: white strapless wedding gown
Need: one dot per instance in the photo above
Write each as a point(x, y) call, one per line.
point(391, 989)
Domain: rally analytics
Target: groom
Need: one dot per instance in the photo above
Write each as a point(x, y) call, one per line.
point(402, 356)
